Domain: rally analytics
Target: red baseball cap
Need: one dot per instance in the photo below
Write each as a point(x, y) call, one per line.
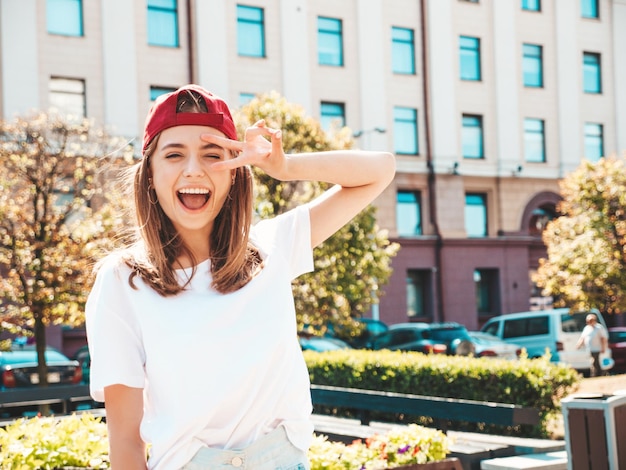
point(163, 114)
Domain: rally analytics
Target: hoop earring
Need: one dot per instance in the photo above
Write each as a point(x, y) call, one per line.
point(150, 190)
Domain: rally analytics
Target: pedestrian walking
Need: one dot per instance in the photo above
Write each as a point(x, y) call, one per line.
point(594, 338)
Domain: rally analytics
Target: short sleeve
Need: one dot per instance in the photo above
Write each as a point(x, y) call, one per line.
point(290, 234)
point(113, 334)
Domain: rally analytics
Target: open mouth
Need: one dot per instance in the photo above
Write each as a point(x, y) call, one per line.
point(194, 198)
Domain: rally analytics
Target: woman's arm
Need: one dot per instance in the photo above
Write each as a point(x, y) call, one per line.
point(359, 176)
point(124, 410)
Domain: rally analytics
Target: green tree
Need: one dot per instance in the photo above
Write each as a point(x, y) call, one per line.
point(350, 266)
point(55, 218)
point(586, 263)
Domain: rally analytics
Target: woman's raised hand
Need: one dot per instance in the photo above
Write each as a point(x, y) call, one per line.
point(255, 150)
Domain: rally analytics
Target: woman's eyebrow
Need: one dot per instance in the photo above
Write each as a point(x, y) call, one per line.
point(206, 146)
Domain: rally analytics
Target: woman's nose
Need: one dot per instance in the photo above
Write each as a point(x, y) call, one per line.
point(193, 167)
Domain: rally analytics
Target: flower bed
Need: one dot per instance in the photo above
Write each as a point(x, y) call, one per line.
point(398, 448)
point(81, 441)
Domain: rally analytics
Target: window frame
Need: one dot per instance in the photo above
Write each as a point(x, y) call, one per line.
point(529, 140)
point(466, 54)
point(336, 58)
point(592, 70)
point(55, 28)
point(419, 293)
point(590, 9)
point(531, 5)
point(327, 119)
point(68, 93)
point(594, 139)
point(403, 51)
point(412, 207)
point(484, 233)
point(154, 37)
point(474, 118)
point(402, 127)
point(532, 57)
point(246, 26)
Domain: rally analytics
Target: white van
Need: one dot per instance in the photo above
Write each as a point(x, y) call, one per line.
point(557, 330)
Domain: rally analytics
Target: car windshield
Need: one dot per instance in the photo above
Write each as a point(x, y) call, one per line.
point(30, 355)
point(573, 323)
point(447, 334)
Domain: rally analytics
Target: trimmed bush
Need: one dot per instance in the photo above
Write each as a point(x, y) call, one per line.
point(535, 383)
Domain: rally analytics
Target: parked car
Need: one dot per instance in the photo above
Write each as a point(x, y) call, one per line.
point(18, 368)
point(321, 344)
point(430, 338)
point(84, 359)
point(556, 331)
point(617, 344)
point(487, 345)
point(370, 329)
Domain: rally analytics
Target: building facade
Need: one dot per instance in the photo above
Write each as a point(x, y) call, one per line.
point(486, 104)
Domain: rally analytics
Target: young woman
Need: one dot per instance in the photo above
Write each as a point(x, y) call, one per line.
point(192, 330)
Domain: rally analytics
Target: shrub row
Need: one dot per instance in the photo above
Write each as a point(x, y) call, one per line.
point(535, 383)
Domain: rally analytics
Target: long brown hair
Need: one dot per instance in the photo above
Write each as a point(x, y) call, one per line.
point(234, 260)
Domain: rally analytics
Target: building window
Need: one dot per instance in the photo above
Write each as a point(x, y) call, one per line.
point(156, 91)
point(65, 17)
point(245, 98)
point(333, 115)
point(472, 136)
point(329, 41)
point(487, 284)
point(534, 141)
point(67, 96)
point(419, 293)
point(540, 218)
point(403, 51)
point(405, 131)
point(409, 213)
point(589, 9)
point(531, 5)
point(476, 214)
point(532, 65)
point(592, 73)
point(594, 141)
point(469, 58)
point(162, 23)
point(250, 31)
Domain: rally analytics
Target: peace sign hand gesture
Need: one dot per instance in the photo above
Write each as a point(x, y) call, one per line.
point(255, 150)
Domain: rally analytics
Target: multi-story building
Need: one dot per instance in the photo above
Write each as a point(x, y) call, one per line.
point(486, 104)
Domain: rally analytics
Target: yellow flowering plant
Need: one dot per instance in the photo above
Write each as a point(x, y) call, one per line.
point(400, 446)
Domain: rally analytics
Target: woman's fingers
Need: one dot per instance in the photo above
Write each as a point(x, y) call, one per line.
point(223, 142)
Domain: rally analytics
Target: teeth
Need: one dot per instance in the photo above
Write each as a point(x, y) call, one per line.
point(193, 191)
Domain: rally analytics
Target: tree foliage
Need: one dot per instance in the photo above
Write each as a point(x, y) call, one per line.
point(350, 266)
point(55, 219)
point(586, 263)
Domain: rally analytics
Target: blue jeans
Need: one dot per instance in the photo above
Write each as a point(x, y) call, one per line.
point(273, 451)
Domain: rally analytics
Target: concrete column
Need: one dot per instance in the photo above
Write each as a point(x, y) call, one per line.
point(442, 52)
point(373, 42)
point(619, 67)
point(119, 56)
point(212, 46)
point(19, 56)
point(569, 86)
point(508, 143)
point(295, 50)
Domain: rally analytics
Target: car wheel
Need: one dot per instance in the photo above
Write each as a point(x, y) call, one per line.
point(464, 348)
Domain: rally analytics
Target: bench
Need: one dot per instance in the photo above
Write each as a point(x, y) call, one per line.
point(439, 409)
point(67, 395)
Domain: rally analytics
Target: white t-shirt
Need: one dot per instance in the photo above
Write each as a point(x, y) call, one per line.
point(592, 337)
point(217, 370)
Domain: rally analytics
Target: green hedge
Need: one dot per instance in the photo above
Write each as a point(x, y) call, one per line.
point(536, 383)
